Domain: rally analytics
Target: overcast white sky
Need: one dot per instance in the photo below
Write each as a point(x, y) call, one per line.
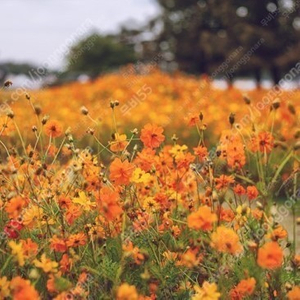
point(32, 30)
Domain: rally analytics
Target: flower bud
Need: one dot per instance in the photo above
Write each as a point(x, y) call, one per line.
point(45, 120)
point(84, 110)
point(201, 116)
point(247, 100)
point(291, 109)
point(232, 119)
point(37, 110)
point(8, 83)
point(276, 104)
point(10, 114)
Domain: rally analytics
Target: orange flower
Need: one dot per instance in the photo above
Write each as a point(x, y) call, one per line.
point(192, 120)
point(226, 215)
point(270, 256)
point(278, 233)
point(294, 294)
point(224, 181)
point(57, 244)
point(76, 240)
point(130, 250)
point(145, 159)
point(239, 190)
point(190, 258)
point(127, 292)
point(65, 263)
point(151, 136)
point(201, 152)
point(73, 212)
point(244, 289)
point(264, 142)
point(22, 289)
point(296, 260)
point(202, 219)
point(108, 202)
point(53, 128)
point(236, 154)
point(30, 248)
point(120, 172)
point(252, 192)
point(226, 240)
point(15, 206)
point(119, 143)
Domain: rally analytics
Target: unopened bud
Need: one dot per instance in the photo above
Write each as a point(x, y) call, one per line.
point(291, 109)
point(8, 83)
point(201, 116)
point(276, 104)
point(134, 131)
point(10, 114)
point(247, 100)
point(297, 146)
point(84, 110)
point(174, 138)
point(37, 110)
point(231, 118)
point(45, 120)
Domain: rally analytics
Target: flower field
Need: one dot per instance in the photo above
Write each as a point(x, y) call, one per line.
point(149, 187)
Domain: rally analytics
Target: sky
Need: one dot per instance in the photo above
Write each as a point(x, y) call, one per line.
point(36, 30)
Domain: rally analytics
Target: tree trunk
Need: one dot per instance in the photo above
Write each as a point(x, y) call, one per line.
point(275, 74)
point(257, 75)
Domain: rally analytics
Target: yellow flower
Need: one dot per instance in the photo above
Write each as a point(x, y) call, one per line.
point(17, 250)
point(207, 292)
point(178, 150)
point(46, 264)
point(32, 215)
point(127, 292)
point(4, 287)
point(150, 204)
point(84, 202)
point(140, 176)
point(242, 213)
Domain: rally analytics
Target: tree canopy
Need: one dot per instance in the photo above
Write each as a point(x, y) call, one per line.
point(96, 54)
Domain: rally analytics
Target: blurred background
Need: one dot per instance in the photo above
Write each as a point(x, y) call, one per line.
point(245, 43)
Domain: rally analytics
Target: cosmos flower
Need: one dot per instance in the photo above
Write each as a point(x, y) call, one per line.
point(294, 294)
point(127, 292)
point(270, 256)
point(17, 251)
point(208, 291)
point(21, 289)
point(244, 289)
point(202, 219)
point(53, 128)
point(151, 136)
point(46, 264)
point(226, 240)
point(121, 171)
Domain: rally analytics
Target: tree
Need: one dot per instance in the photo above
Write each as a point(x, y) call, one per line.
point(97, 54)
point(202, 34)
point(3, 74)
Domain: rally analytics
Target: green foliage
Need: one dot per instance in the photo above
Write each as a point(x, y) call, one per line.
point(202, 35)
point(97, 54)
